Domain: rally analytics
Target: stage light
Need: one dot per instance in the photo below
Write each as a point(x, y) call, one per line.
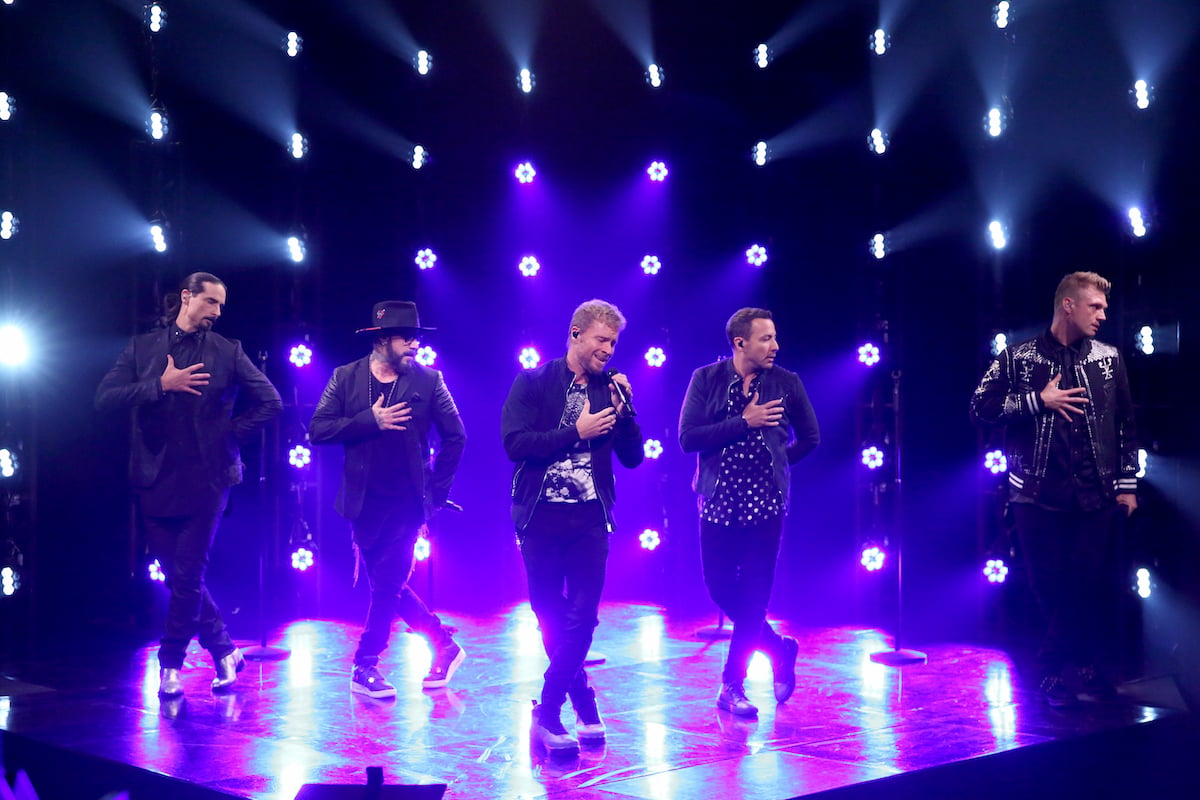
point(158, 236)
point(296, 248)
point(425, 259)
point(155, 16)
point(423, 62)
point(8, 463)
point(995, 123)
point(868, 355)
point(293, 44)
point(157, 124)
point(1145, 339)
point(879, 42)
point(995, 570)
point(657, 171)
point(10, 580)
point(426, 356)
point(654, 76)
point(420, 156)
point(999, 343)
point(763, 56)
point(525, 172)
point(997, 232)
point(649, 539)
point(299, 456)
point(1002, 14)
point(529, 357)
point(651, 265)
point(878, 141)
point(14, 349)
point(1137, 224)
point(303, 558)
point(761, 154)
point(995, 462)
point(9, 224)
point(756, 255)
point(155, 571)
point(872, 557)
point(300, 356)
point(1142, 94)
point(422, 550)
point(1143, 583)
point(878, 245)
point(525, 81)
point(7, 106)
point(872, 457)
point(529, 266)
point(1143, 462)
point(656, 357)
point(298, 145)
point(653, 448)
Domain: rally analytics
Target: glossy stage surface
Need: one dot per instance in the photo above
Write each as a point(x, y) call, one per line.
point(295, 721)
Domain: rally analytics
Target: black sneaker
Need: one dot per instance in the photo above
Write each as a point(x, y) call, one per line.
point(589, 727)
point(1057, 693)
point(445, 660)
point(370, 681)
point(784, 667)
point(1096, 686)
point(733, 699)
point(548, 732)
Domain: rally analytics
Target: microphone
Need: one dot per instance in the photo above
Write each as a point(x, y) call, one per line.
point(629, 412)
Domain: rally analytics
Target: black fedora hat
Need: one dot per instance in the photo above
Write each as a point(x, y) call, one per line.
point(394, 315)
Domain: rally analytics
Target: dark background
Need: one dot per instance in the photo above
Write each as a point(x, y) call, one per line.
point(81, 277)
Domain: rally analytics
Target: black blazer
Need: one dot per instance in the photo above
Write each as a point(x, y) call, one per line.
point(133, 383)
point(344, 416)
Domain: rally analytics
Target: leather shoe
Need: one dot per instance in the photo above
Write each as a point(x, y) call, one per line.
point(228, 668)
point(170, 683)
point(784, 666)
point(733, 699)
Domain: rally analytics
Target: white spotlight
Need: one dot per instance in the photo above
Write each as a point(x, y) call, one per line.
point(293, 44)
point(1142, 94)
point(156, 123)
point(999, 343)
point(763, 56)
point(7, 106)
point(525, 81)
point(14, 349)
point(423, 62)
point(996, 122)
point(654, 75)
point(298, 146)
point(158, 236)
point(1137, 223)
point(1145, 340)
point(296, 248)
point(879, 41)
point(1002, 14)
point(155, 17)
point(420, 156)
point(761, 153)
point(878, 141)
point(998, 234)
point(8, 224)
point(878, 245)
point(1143, 462)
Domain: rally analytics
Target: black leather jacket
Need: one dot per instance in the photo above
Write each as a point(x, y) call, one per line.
point(1010, 395)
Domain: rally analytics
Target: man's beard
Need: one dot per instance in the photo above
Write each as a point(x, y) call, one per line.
point(396, 362)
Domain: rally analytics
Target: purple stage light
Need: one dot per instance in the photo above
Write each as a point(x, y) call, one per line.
point(756, 255)
point(426, 356)
point(525, 172)
point(995, 462)
point(872, 457)
point(995, 570)
point(651, 265)
point(656, 357)
point(529, 357)
point(657, 171)
point(299, 456)
point(303, 559)
point(650, 539)
point(422, 549)
point(653, 448)
point(300, 356)
point(868, 355)
point(156, 572)
point(872, 558)
point(529, 266)
point(426, 258)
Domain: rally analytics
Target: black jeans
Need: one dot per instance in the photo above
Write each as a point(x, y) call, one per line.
point(386, 533)
point(181, 545)
point(739, 571)
point(565, 549)
point(1070, 557)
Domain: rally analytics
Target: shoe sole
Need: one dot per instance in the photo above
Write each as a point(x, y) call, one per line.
point(378, 694)
point(437, 684)
point(732, 710)
point(564, 751)
point(161, 693)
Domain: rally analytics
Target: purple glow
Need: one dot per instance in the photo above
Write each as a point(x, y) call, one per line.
point(995, 462)
point(650, 539)
point(656, 356)
point(868, 355)
point(995, 570)
point(651, 265)
point(299, 456)
point(525, 172)
point(756, 255)
point(156, 572)
point(303, 559)
point(422, 550)
point(530, 357)
point(872, 558)
point(426, 258)
point(657, 171)
point(426, 356)
point(652, 448)
point(301, 355)
point(872, 457)
point(529, 266)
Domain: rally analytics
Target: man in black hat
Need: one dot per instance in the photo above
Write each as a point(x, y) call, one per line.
point(380, 408)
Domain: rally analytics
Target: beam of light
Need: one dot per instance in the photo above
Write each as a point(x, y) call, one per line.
point(298, 145)
point(525, 81)
point(7, 106)
point(756, 255)
point(995, 570)
point(8, 463)
point(422, 550)
point(155, 17)
point(1002, 14)
point(995, 462)
point(293, 44)
point(654, 76)
point(653, 448)
point(157, 124)
point(657, 171)
point(422, 62)
point(1145, 340)
point(649, 539)
point(529, 266)
point(997, 232)
point(879, 41)
point(158, 237)
point(651, 265)
point(1143, 583)
point(529, 357)
point(656, 356)
point(425, 259)
point(525, 173)
point(300, 356)
point(868, 355)
point(296, 249)
point(1143, 462)
point(303, 559)
point(9, 224)
point(426, 356)
point(299, 456)
point(872, 457)
point(155, 571)
point(763, 56)
point(878, 246)
point(995, 123)
point(14, 348)
point(872, 557)
point(878, 141)
point(1142, 94)
point(1137, 223)
point(420, 156)
point(999, 343)
point(761, 154)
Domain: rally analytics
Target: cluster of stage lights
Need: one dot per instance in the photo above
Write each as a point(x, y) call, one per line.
point(422, 550)
point(426, 356)
point(425, 258)
point(1143, 584)
point(762, 56)
point(1145, 340)
point(303, 559)
point(656, 357)
point(872, 557)
point(756, 255)
point(878, 141)
point(529, 357)
point(420, 156)
point(14, 349)
point(649, 539)
point(998, 234)
point(156, 573)
point(879, 41)
point(995, 123)
point(1141, 94)
point(995, 570)
point(296, 248)
point(654, 76)
point(999, 343)
point(657, 171)
point(293, 44)
point(1137, 223)
point(7, 106)
point(297, 146)
point(653, 448)
point(1143, 461)
point(995, 462)
point(156, 123)
point(878, 246)
point(301, 356)
point(155, 17)
point(525, 81)
point(422, 62)
point(651, 265)
point(868, 355)
point(8, 463)
point(158, 237)
point(529, 266)
point(761, 154)
point(299, 456)
point(872, 457)
point(1002, 14)
point(8, 224)
point(10, 581)
point(525, 173)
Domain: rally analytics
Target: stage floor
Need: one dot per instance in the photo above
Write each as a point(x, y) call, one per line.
point(295, 721)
